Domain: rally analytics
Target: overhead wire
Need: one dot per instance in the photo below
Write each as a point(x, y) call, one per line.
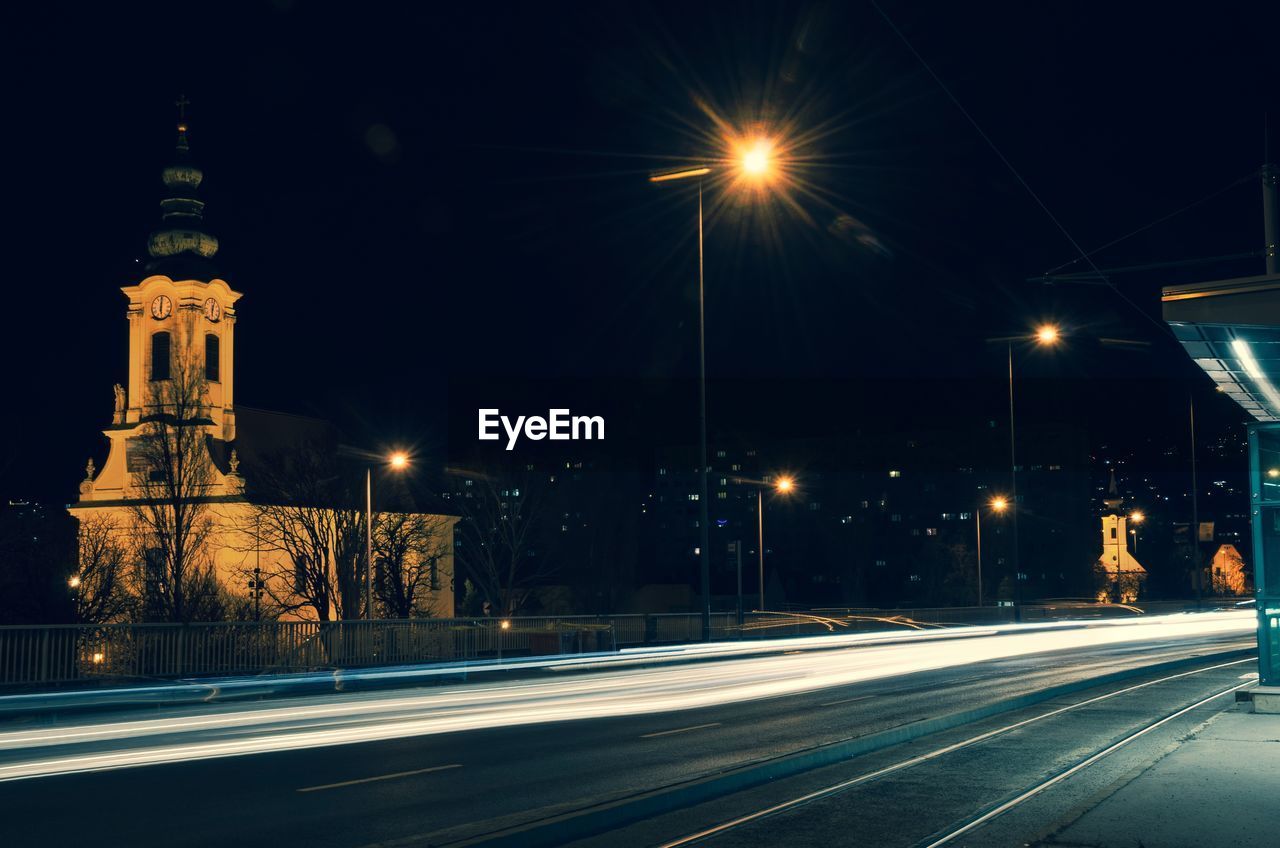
point(1085, 256)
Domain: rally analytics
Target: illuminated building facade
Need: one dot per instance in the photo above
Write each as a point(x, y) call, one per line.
point(175, 435)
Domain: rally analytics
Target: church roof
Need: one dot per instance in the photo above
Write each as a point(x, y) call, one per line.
point(262, 435)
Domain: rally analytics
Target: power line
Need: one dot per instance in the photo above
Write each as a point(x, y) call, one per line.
point(1156, 222)
point(1090, 277)
point(1043, 206)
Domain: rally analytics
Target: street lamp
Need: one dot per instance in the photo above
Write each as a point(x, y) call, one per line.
point(755, 160)
point(1136, 517)
point(1045, 335)
point(783, 486)
point(998, 505)
point(752, 163)
point(397, 461)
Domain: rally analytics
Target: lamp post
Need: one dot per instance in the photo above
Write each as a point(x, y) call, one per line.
point(1136, 517)
point(397, 461)
point(998, 504)
point(783, 486)
point(73, 583)
point(752, 163)
point(1046, 335)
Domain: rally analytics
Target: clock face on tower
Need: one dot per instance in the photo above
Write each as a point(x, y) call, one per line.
point(161, 307)
point(212, 310)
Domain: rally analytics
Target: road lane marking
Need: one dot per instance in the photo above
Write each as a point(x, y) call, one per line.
point(846, 701)
point(679, 730)
point(1252, 675)
point(380, 777)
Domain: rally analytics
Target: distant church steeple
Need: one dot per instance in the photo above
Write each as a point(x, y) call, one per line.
point(1120, 572)
point(1113, 501)
point(182, 241)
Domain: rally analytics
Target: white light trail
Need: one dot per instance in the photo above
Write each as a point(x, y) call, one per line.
point(616, 689)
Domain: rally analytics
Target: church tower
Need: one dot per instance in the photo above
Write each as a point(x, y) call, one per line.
point(182, 318)
point(1121, 571)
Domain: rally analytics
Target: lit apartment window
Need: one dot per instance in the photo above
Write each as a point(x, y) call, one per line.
point(895, 473)
point(722, 496)
point(881, 563)
point(931, 531)
point(693, 497)
point(719, 454)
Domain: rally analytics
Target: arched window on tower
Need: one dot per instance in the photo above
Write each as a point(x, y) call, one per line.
point(160, 352)
point(212, 357)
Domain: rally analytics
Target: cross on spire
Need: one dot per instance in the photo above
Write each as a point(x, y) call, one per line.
point(182, 103)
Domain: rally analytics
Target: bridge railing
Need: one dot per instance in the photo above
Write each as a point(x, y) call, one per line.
point(57, 654)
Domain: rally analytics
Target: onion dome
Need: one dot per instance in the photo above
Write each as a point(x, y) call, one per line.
point(182, 234)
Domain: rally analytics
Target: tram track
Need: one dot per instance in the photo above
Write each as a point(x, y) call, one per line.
point(985, 815)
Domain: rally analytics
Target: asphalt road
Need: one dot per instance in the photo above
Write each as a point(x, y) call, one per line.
point(438, 788)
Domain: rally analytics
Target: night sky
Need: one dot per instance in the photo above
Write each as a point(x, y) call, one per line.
point(416, 202)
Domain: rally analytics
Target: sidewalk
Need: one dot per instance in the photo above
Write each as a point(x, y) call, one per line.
point(1220, 788)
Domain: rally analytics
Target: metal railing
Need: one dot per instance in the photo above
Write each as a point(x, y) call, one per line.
point(56, 654)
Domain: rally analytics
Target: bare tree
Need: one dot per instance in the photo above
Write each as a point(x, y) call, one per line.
point(98, 586)
point(409, 548)
point(496, 540)
point(302, 507)
point(173, 475)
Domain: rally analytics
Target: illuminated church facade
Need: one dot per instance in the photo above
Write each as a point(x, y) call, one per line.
point(181, 331)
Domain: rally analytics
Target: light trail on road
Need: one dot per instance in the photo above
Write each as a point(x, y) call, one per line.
point(337, 719)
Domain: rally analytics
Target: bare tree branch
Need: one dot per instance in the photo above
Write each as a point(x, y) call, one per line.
point(302, 508)
point(500, 522)
point(173, 477)
point(98, 587)
point(409, 548)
